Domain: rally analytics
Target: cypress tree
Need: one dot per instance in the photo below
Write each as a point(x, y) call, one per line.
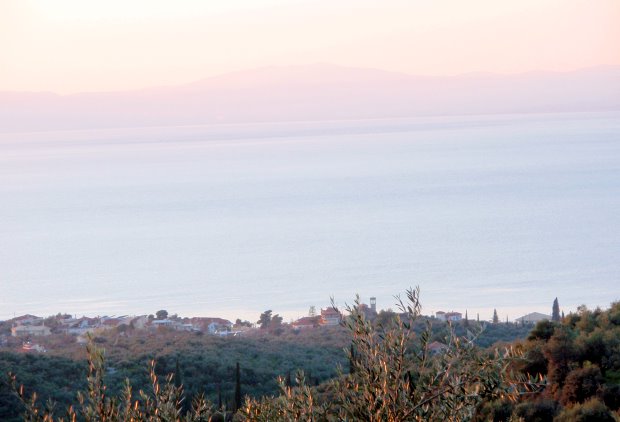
point(288, 381)
point(555, 315)
point(178, 382)
point(177, 375)
point(466, 319)
point(310, 380)
point(237, 403)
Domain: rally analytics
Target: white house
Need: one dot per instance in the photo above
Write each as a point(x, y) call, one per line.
point(448, 316)
point(454, 316)
point(533, 318)
point(163, 323)
point(330, 317)
point(30, 330)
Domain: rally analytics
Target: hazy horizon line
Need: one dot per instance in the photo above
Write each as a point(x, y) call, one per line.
point(475, 73)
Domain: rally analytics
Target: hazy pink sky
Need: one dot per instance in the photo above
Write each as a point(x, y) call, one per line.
point(76, 45)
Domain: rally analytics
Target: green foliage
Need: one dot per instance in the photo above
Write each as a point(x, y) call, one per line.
point(237, 403)
point(270, 322)
point(384, 318)
point(581, 384)
point(265, 320)
point(581, 357)
point(555, 311)
point(591, 411)
point(395, 378)
point(240, 323)
point(542, 331)
point(561, 353)
point(293, 404)
point(487, 334)
point(205, 362)
point(496, 411)
point(163, 403)
point(536, 411)
point(610, 395)
point(568, 370)
point(54, 378)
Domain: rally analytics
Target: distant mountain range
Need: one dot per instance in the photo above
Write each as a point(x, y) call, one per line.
point(314, 92)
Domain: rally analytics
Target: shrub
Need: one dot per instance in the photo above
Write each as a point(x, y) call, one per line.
point(540, 411)
point(396, 378)
point(610, 395)
point(163, 403)
point(581, 384)
point(496, 411)
point(590, 411)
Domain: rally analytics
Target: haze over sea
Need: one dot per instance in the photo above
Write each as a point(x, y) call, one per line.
point(482, 212)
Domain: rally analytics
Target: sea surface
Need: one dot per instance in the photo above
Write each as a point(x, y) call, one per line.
point(481, 212)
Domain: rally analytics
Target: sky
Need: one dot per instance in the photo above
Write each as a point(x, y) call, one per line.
point(69, 46)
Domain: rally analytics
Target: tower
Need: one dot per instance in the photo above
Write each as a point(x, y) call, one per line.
point(373, 304)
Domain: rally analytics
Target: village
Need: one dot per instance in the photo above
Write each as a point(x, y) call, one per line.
point(28, 328)
point(31, 327)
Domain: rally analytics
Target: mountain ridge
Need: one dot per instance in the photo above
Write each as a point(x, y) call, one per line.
point(314, 92)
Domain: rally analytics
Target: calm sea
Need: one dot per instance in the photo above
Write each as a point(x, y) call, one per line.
point(503, 212)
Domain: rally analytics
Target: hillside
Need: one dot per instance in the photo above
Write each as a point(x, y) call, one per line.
point(563, 371)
